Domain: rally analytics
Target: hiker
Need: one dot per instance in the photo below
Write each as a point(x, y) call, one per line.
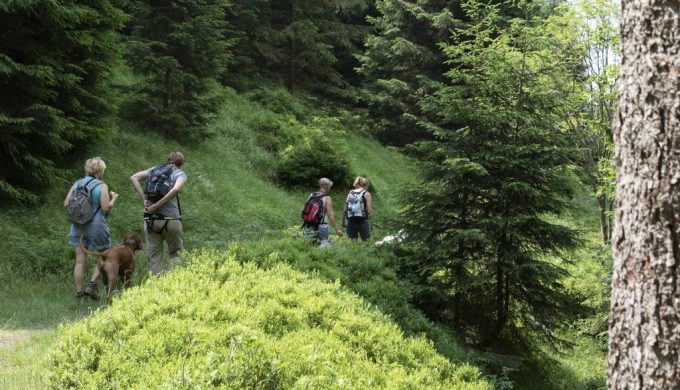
point(94, 230)
point(162, 211)
point(318, 213)
point(358, 208)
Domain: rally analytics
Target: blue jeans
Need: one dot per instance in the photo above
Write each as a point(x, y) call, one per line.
point(358, 227)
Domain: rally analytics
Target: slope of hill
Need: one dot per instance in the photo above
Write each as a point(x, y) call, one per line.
point(216, 323)
point(231, 195)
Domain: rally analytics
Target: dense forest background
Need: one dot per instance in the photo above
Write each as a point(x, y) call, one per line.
point(503, 110)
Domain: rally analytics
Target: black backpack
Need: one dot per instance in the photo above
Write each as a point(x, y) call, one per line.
point(80, 210)
point(159, 182)
point(313, 212)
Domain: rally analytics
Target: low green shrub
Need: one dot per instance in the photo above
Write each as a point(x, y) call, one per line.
point(280, 101)
point(367, 270)
point(218, 323)
point(302, 165)
point(273, 133)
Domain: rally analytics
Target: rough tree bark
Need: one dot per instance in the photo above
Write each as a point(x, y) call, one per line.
point(644, 328)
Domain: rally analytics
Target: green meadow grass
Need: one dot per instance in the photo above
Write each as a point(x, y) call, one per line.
point(230, 195)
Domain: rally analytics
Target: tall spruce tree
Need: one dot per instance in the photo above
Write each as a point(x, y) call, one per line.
point(479, 225)
point(399, 56)
point(305, 44)
point(55, 59)
point(178, 46)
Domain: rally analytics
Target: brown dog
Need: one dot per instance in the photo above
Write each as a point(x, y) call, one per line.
point(117, 262)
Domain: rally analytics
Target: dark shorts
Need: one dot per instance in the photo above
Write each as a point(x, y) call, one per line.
point(358, 227)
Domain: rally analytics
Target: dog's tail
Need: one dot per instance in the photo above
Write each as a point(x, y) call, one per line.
point(89, 252)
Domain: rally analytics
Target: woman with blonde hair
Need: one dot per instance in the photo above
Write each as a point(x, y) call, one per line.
point(95, 234)
point(358, 208)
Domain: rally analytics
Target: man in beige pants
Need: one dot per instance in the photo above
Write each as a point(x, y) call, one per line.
point(162, 212)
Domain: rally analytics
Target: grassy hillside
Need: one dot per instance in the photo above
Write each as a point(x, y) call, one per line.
point(232, 195)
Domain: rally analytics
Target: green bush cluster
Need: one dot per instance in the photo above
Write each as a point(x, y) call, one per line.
point(367, 270)
point(302, 165)
point(280, 101)
point(221, 324)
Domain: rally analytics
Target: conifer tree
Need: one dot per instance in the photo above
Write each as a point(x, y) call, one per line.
point(479, 225)
point(55, 59)
point(304, 44)
point(178, 46)
point(399, 56)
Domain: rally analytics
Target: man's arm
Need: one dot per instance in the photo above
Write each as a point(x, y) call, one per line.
point(136, 178)
point(179, 183)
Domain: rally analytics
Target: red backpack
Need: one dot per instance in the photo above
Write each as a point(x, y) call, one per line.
point(313, 212)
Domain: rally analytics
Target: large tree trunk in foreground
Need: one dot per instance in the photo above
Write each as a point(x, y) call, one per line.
point(644, 328)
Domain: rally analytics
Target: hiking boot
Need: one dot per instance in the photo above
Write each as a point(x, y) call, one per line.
point(92, 290)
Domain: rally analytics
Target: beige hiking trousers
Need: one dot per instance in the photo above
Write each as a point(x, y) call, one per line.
point(171, 234)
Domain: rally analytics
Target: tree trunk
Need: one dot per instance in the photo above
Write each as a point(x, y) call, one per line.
point(166, 85)
point(290, 82)
point(501, 316)
point(644, 327)
point(457, 296)
point(604, 223)
point(610, 221)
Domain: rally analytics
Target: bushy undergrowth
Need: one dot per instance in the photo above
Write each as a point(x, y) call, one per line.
point(367, 270)
point(302, 165)
point(219, 323)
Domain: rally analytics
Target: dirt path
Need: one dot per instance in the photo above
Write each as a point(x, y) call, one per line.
point(10, 339)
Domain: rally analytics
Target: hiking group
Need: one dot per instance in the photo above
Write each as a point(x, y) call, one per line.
point(89, 202)
point(318, 214)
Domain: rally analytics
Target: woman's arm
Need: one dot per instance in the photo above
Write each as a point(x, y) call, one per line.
point(369, 204)
point(106, 202)
point(67, 200)
point(344, 214)
point(328, 203)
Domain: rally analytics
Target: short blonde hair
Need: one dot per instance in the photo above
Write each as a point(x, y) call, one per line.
point(95, 167)
point(323, 182)
point(176, 158)
point(360, 182)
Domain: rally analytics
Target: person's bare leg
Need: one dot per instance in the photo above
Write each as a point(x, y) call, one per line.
point(80, 269)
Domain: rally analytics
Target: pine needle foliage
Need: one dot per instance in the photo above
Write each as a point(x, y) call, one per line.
point(399, 55)
point(304, 44)
point(55, 60)
point(483, 246)
point(178, 47)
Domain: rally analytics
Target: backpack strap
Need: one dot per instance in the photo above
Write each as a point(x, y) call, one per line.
point(97, 184)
